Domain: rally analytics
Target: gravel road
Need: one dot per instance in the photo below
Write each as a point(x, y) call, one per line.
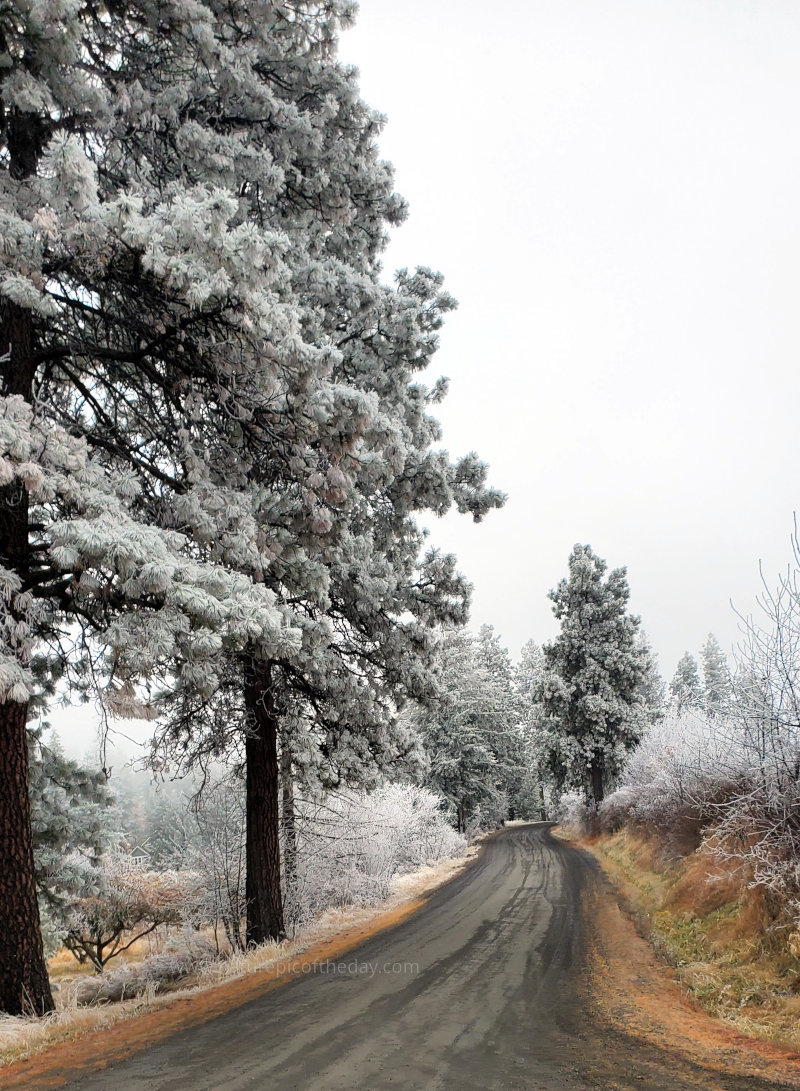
point(484, 987)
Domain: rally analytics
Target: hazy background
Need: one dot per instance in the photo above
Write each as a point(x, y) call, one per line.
point(611, 189)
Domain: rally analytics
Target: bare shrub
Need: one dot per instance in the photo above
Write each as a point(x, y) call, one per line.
point(732, 782)
point(130, 905)
point(760, 825)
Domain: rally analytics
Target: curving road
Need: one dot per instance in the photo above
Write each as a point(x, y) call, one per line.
point(484, 987)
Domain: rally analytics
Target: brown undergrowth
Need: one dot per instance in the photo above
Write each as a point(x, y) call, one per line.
point(728, 950)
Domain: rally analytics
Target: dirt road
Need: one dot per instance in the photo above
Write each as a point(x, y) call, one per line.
point(484, 987)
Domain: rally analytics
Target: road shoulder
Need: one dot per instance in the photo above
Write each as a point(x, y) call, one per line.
point(632, 992)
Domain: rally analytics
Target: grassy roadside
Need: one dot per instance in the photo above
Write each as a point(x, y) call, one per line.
point(76, 1037)
point(714, 932)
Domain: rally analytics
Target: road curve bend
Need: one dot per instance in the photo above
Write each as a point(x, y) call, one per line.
point(484, 987)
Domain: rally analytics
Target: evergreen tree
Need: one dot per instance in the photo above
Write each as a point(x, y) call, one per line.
point(686, 689)
point(717, 686)
point(332, 532)
point(537, 776)
point(72, 813)
point(510, 741)
point(469, 732)
point(94, 324)
point(592, 691)
point(652, 687)
point(214, 441)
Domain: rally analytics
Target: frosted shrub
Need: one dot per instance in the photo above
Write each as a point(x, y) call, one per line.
point(616, 809)
point(150, 975)
point(679, 776)
point(573, 811)
point(729, 778)
point(352, 845)
point(760, 828)
point(129, 905)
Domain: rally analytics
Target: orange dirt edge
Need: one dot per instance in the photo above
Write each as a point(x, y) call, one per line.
point(637, 994)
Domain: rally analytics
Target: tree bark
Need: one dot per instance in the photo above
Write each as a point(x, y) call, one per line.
point(289, 824)
point(24, 985)
point(598, 790)
point(263, 883)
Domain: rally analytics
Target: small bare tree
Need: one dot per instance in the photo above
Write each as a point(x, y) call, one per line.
point(131, 905)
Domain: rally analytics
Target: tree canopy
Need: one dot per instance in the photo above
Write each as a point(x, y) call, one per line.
point(215, 443)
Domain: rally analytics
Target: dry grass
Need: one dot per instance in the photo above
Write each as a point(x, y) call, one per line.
point(726, 949)
point(22, 1038)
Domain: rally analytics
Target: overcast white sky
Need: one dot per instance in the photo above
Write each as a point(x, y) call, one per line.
point(612, 189)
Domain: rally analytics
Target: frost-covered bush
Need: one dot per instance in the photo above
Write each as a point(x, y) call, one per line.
point(351, 845)
point(573, 811)
point(729, 777)
point(150, 975)
point(679, 777)
point(615, 811)
point(348, 847)
point(129, 905)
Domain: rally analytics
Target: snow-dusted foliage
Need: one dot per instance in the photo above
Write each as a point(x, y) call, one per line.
point(205, 835)
point(473, 734)
point(683, 770)
point(347, 848)
point(686, 687)
point(574, 813)
point(538, 796)
point(593, 692)
point(192, 212)
point(351, 846)
point(73, 824)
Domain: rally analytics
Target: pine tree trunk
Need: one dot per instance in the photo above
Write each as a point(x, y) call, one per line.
point(598, 790)
point(263, 883)
point(289, 823)
point(24, 985)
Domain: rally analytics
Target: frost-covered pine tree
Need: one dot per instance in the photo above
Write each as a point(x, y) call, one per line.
point(686, 688)
point(212, 398)
point(539, 742)
point(717, 686)
point(310, 482)
point(126, 301)
point(469, 732)
point(43, 96)
point(511, 742)
point(592, 690)
point(652, 687)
